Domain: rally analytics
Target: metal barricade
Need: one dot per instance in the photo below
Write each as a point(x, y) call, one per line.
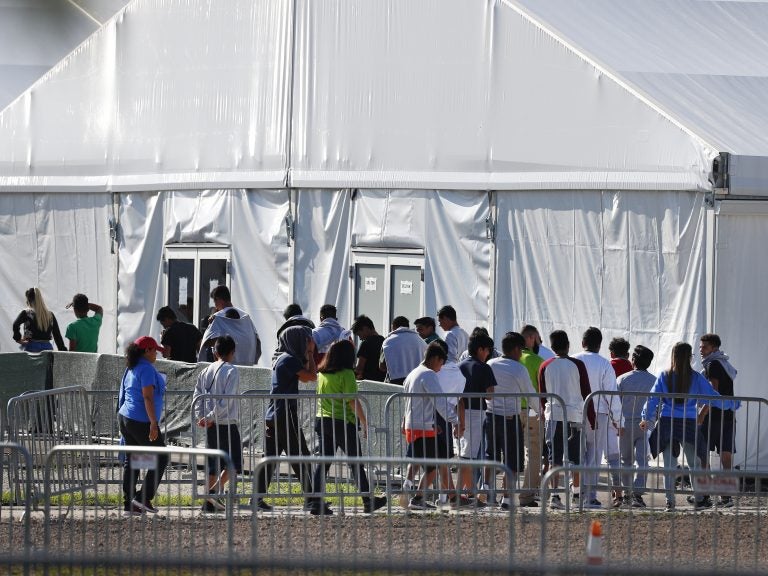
point(252, 408)
point(15, 515)
point(102, 523)
point(686, 537)
point(340, 533)
point(632, 445)
point(519, 440)
point(38, 421)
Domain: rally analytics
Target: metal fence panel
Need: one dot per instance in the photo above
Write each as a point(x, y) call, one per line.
point(38, 421)
point(91, 522)
point(15, 515)
point(685, 538)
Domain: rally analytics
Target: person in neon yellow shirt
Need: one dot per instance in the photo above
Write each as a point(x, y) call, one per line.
point(337, 421)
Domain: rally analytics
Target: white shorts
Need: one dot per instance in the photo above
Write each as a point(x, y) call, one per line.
point(471, 443)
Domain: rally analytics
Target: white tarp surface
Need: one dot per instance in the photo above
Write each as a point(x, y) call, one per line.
point(631, 263)
point(60, 243)
point(362, 95)
point(742, 277)
point(260, 272)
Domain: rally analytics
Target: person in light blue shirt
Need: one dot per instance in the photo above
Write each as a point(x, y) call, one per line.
point(677, 418)
point(140, 404)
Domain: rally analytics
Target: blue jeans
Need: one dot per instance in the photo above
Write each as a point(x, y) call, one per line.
point(36, 346)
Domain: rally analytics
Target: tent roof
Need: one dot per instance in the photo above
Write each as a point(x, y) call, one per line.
point(494, 94)
point(37, 34)
point(705, 62)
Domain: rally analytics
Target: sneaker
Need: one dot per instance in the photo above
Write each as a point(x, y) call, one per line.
point(215, 504)
point(637, 501)
point(725, 502)
point(261, 505)
point(320, 509)
point(575, 499)
point(529, 504)
point(371, 505)
point(131, 510)
point(555, 503)
point(618, 501)
point(670, 507)
point(482, 496)
point(144, 507)
point(593, 504)
point(477, 503)
point(705, 502)
point(506, 507)
point(418, 503)
point(463, 502)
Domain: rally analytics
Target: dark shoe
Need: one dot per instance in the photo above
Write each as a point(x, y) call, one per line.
point(529, 504)
point(261, 505)
point(210, 507)
point(418, 503)
point(618, 501)
point(371, 505)
point(725, 502)
point(144, 506)
point(593, 504)
point(320, 509)
point(637, 501)
point(670, 507)
point(705, 502)
point(506, 507)
point(131, 510)
point(463, 502)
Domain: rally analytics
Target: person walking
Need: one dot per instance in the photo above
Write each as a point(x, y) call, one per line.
point(180, 339)
point(282, 428)
point(140, 404)
point(39, 325)
point(678, 419)
point(337, 424)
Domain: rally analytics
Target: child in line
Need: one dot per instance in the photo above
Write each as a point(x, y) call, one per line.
point(219, 417)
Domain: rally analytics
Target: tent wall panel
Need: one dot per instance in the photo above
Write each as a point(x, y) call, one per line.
point(742, 275)
point(250, 221)
point(631, 264)
point(61, 243)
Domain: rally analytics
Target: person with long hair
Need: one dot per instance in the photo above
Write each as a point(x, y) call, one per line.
point(337, 423)
point(677, 418)
point(282, 431)
point(140, 404)
point(39, 325)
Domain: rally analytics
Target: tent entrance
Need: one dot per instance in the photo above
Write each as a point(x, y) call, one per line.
point(386, 285)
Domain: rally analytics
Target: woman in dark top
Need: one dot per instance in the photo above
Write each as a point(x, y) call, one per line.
point(282, 431)
point(39, 325)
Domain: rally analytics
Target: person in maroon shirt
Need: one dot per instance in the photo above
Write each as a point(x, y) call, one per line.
point(619, 349)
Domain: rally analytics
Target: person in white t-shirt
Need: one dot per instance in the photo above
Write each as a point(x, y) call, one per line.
point(605, 440)
point(456, 338)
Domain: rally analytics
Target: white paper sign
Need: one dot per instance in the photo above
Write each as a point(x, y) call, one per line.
point(406, 287)
point(144, 461)
point(211, 285)
point(370, 283)
point(716, 484)
point(183, 291)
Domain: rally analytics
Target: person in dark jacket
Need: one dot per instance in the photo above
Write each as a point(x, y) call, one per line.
point(39, 325)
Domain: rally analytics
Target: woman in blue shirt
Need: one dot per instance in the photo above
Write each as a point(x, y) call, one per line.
point(678, 418)
point(140, 404)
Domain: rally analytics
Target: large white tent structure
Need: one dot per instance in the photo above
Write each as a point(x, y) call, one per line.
point(564, 163)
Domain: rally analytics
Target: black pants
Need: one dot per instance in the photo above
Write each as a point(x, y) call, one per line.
point(137, 434)
point(334, 433)
point(283, 434)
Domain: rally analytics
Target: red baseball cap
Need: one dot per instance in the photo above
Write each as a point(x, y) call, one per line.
point(148, 343)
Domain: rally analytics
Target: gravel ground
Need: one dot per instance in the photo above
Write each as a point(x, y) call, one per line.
point(732, 539)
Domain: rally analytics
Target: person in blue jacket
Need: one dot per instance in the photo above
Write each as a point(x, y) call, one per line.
point(140, 404)
point(677, 418)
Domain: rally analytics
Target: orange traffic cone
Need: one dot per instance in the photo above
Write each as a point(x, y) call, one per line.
point(595, 544)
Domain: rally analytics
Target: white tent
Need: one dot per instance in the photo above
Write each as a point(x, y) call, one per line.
point(542, 162)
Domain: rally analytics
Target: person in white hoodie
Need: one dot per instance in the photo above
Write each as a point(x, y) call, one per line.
point(219, 416)
point(233, 321)
point(605, 439)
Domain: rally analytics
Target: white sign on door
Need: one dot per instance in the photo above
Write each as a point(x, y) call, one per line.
point(406, 287)
point(370, 283)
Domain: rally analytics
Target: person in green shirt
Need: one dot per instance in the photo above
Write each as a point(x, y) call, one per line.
point(531, 424)
point(337, 422)
point(83, 333)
